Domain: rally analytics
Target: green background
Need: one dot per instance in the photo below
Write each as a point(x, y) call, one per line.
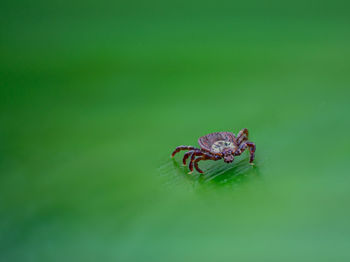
point(94, 96)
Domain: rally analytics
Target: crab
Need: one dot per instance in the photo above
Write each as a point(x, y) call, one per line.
point(216, 146)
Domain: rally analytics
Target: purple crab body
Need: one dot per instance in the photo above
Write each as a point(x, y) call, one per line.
point(216, 146)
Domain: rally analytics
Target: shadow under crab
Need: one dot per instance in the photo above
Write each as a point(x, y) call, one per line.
point(228, 174)
point(216, 146)
point(216, 173)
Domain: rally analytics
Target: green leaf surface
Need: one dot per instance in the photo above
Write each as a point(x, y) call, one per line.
point(94, 97)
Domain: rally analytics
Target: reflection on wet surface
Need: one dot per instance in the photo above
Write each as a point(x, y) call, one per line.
point(216, 173)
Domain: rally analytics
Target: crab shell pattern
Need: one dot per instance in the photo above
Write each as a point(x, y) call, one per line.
point(215, 146)
point(218, 142)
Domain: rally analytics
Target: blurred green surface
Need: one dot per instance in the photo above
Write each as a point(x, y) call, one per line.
point(94, 96)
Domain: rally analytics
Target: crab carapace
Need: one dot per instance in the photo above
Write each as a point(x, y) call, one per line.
point(216, 146)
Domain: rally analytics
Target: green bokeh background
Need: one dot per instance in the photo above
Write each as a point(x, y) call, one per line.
point(94, 96)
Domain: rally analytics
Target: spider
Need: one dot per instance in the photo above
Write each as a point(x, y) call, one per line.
point(216, 146)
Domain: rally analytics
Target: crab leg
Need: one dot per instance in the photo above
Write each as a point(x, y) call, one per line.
point(179, 148)
point(243, 147)
point(187, 155)
point(196, 163)
point(242, 136)
point(204, 157)
point(194, 154)
point(252, 148)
